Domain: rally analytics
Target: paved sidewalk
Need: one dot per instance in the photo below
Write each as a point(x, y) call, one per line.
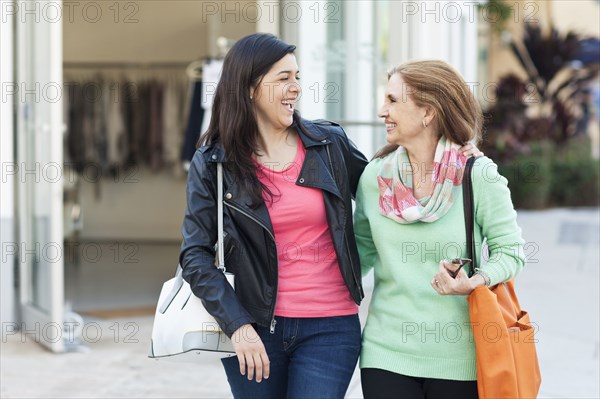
point(560, 288)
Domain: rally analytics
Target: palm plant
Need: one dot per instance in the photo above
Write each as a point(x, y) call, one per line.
point(547, 105)
point(530, 128)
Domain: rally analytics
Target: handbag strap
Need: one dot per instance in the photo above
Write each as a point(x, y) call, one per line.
point(220, 233)
point(469, 211)
point(220, 259)
point(220, 243)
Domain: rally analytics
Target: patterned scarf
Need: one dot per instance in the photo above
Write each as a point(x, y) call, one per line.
point(395, 180)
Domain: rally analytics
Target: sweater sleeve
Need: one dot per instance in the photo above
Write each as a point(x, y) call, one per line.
point(497, 219)
point(362, 226)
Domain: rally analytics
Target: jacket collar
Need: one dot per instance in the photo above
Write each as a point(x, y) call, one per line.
point(316, 169)
point(321, 136)
point(214, 153)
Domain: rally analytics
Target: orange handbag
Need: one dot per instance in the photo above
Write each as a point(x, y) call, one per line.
point(506, 359)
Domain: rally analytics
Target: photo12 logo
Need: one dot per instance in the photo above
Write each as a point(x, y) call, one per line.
point(53, 172)
point(70, 11)
point(70, 251)
point(71, 331)
point(456, 11)
point(268, 11)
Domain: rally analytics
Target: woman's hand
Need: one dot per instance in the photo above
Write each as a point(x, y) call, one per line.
point(444, 284)
point(251, 353)
point(470, 150)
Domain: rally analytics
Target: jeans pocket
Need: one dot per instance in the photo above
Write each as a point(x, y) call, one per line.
point(340, 330)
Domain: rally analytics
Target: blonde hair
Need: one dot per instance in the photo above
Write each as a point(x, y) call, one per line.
point(436, 84)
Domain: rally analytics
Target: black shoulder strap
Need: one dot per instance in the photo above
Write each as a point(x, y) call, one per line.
point(469, 210)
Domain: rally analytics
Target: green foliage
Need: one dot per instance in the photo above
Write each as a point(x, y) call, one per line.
point(533, 131)
point(575, 176)
point(529, 176)
point(548, 103)
point(554, 177)
point(497, 13)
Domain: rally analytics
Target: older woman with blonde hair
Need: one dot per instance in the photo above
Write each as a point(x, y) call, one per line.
point(418, 342)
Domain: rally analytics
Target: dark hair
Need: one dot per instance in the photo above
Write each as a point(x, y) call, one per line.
point(233, 122)
point(436, 84)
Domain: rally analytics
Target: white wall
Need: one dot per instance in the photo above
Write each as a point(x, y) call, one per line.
point(269, 17)
point(146, 31)
point(441, 30)
point(138, 205)
point(7, 218)
point(311, 54)
point(360, 100)
point(581, 16)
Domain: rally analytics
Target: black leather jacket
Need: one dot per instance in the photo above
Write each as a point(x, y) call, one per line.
point(250, 251)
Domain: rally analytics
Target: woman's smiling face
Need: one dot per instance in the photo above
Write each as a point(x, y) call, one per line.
point(276, 95)
point(403, 118)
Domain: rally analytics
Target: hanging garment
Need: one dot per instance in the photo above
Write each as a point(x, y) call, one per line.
point(192, 132)
point(172, 127)
point(211, 75)
point(155, 131)
point(99, 150)
point(116, 125)
point(77, 142)
point(115, 129)
point(136, 112)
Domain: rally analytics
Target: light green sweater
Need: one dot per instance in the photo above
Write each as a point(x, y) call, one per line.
point(411, 329)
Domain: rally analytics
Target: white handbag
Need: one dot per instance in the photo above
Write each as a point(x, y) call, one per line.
point(183, 329)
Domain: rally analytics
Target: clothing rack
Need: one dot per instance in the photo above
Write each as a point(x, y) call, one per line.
point(194, 70)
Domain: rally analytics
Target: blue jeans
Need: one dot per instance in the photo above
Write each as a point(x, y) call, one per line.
point(310, 358)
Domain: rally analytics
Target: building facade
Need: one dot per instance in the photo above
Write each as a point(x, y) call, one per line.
point(75, 243)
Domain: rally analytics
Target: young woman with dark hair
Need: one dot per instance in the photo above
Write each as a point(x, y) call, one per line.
point(293, 317)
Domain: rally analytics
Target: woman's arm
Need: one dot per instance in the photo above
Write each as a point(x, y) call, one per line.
point(497, 219)
point(355, 162)
point(362, 229)
point(197, 253)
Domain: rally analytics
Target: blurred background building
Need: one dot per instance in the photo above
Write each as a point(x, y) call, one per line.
point(101, 102)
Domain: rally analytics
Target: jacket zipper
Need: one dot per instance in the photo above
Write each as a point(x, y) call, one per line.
point(251, 217)
point(273, 321)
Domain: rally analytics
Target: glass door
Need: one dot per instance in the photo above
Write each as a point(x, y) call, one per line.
point(38, 72)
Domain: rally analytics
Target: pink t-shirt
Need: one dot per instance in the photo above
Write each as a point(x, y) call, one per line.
point(310, 282)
